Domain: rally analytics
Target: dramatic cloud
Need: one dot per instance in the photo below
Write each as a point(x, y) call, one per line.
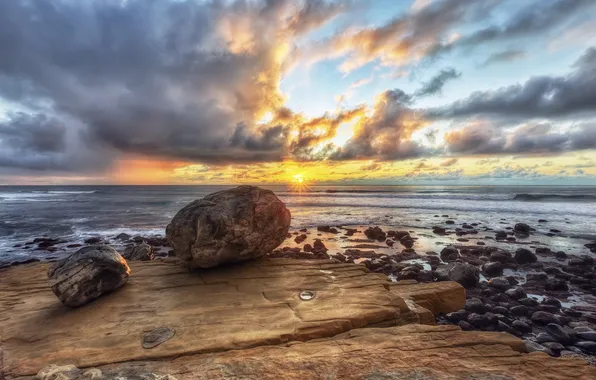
point(386, 134)
point(435, 84)
point(483, 138)
point(168, 78)
point(90, 86)
point(504, 56)
point(403, 40)
point(535, 18)
point(544, 96)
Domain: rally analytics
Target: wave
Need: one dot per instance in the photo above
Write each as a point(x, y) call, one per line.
point(555, 197)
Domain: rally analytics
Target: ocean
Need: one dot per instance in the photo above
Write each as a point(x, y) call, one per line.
point(75, 213)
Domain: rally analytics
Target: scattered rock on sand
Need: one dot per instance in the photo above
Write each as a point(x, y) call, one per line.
point(229, 226)
point(88, 274)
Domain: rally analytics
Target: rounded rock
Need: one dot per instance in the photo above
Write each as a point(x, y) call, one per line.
point(229, 226)
point(88, 274)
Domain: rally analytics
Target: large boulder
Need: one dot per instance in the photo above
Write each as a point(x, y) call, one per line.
point(229, 226)
point(88, 274)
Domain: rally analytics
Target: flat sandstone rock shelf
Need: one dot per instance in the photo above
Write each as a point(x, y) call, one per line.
point(250, 321)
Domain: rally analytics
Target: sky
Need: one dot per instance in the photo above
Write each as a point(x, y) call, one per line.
point(271, 91)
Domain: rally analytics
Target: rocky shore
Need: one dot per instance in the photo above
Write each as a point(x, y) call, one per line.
point(325, 286)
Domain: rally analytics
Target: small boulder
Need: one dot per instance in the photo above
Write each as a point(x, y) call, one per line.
point(88, 274)
point(586, 346)
point(493, 269)
point(375, 233)
point(522, 228)
point(516, 293)
point(449, 253)
point(524, 256)
point(300, 238)
point(229, 226)
point(559, 333)
point(123, 237)
point(465, 274)
point(536, 347)
point(544, 317)
point(475, 305)
point(139, 252)
point(519, 310)
point(521, 326)
point(586, 333)
point(500, 283)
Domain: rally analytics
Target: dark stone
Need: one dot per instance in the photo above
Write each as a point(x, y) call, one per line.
point(501, 235)
point(586, 346)
point(493, 269)
point(530, 302)
point(559, 333)
point(93, 240)
point(465, 326)
point(521, 326)
point(544, 318)
point(300, 238)
point(519, 310)
point(552, 301)
point(586, 333)
point(522, 228)
point(475, 305)
point(456, 316)
point(555, 347)
point(375, 233)
point(500, 283)
point(465, 274)
point(449, 253)
point(556, 284)
point(501, 257)
point(544, 337)
point(524, 256)
point(407, 241)
point(439, 230)
point(516, 293)
point(478, 320)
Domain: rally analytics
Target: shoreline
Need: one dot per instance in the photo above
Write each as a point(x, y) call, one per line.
point(417, 254)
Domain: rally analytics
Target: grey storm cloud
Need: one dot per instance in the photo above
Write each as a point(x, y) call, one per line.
point(504, 56)
point(165, 78)
point(435, 84)
point(536, 17)
point(530, 138)
point(542, 96)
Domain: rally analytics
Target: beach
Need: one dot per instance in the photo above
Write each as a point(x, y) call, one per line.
point(519, 265)
point(76, 213)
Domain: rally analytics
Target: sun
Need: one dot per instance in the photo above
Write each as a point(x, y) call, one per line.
point(299, 183)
